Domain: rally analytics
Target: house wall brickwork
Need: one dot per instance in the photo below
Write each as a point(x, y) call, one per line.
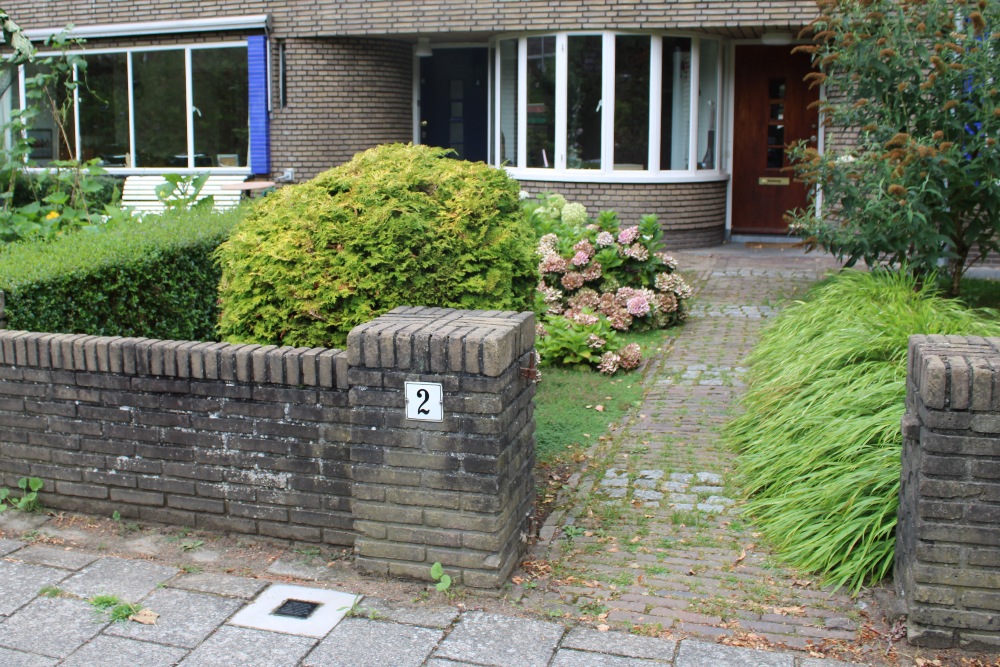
point(947, 561)
point(343, 96)
point(296, 443)
point(691, 215)
point(740, 18)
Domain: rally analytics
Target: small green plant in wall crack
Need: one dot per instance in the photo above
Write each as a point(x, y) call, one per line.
point(443, 584)
point(28, 502)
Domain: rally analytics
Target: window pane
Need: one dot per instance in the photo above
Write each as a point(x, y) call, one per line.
point(584, 105)
point(8, 99)
point(219, 80)
point(104, 110)
point(160, 119)
point(675, 118)
point(508, 102)
point(541, 107)
point(708, 102)
point(50, 140)
point(632, 102)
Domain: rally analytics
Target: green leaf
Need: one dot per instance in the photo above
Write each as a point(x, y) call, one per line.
point(35, 484)
point(437, 571)
point(444, 584)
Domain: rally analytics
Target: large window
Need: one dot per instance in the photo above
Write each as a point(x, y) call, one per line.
point(606, 103)
point(158, 108)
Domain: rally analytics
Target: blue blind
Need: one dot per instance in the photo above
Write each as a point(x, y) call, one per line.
point(260, 130)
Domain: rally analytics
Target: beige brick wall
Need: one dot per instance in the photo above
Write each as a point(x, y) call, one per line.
point(692, 215)
point(343, 96)
point(739, 18)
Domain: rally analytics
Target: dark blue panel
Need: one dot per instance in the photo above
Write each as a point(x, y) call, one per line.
point(260, 126)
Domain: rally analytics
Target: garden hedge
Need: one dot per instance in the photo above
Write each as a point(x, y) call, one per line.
point(397, 225)
point(155, 278)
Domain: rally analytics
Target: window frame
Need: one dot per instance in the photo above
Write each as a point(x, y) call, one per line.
point(187, 48)
point(607, 173)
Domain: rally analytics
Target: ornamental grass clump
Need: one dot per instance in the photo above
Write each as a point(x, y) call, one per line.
point(593, 274)
point(819, 442)
point(397, 225)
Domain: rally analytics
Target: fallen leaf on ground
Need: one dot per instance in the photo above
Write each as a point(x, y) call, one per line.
point(599, 408)
point(144, 616)
point(603, 627)
point(741, 558)
point(785, 611)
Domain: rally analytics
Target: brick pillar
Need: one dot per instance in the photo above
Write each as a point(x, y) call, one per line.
point(456, 491)
point(947, 562)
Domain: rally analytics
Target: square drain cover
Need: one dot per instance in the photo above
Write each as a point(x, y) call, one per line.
point(296, 610)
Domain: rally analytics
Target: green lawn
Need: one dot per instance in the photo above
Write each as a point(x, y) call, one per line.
point(566, 413)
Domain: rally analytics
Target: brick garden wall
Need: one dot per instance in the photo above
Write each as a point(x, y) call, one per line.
point(296, 443)
point(947, 567)
point(692, 215)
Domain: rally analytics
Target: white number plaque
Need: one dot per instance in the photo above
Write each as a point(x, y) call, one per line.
point(424, 401)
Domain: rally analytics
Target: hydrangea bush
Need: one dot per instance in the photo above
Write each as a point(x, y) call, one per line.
point(596, 279)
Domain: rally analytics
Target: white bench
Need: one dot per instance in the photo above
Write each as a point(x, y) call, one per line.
point(139, 192)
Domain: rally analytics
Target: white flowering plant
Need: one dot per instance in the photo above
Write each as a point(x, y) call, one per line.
point(593, 268)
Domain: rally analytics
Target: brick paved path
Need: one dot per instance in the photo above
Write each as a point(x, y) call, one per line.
point(653, 535)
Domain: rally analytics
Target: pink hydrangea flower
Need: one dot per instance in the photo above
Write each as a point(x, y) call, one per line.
point(581, 317)
point(595, 342)
point(609, 363)
point(572, 280)
point(630, 356)
point(592, 272)
point(580, 259)
point(605, 239)
point(638, 306)
point(637, 251)
point(628, 235)
point(552, 263)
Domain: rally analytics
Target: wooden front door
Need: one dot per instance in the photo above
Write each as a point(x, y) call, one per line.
point(770, 112)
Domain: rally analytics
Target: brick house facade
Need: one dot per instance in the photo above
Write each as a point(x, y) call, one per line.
point(631, 106)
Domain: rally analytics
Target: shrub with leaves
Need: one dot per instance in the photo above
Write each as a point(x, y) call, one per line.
point(153, 277)
point(819, 440)
point(594, 275)
point(918, 186)
point(397, 225)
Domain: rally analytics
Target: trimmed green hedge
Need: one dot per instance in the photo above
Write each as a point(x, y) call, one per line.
point(154, 278)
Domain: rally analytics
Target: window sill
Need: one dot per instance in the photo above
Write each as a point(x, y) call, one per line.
point(623, 176)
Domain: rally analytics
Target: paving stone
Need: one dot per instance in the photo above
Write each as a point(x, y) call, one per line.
point(9, 546)
point(643, 494)
point(359, 642)
point(682, 498)
point(500, 641)
point(814, 662)
point(66, 559)
point(684, 507)
point(710, 508)
point(720, 500)
point(54, 627)
point(706, 489)
point(131, 580)
point(185, 618)
point(118, 652)
point(611, 473)
point(440, 662)
point(678, 487)
point(428, 617)
point(12, 658)
point(619, 643)
point(220, 584)
point(229, 646)
point(17, 523)
point(20, 583)
point(297, 569)
point(646, 483)
point(651, 474)
point(684, 477)
point(699, 654)
point(616, 482)
point(616, 493)
point(570, 658)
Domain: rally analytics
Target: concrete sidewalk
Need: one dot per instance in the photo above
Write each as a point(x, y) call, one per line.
point(196, 626)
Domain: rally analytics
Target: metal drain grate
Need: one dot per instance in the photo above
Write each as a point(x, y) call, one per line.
point(296, 609)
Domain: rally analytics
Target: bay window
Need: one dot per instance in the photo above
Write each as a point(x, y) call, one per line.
point(607, 104)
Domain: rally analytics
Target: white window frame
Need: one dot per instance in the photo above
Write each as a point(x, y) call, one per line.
point(188, 94)
point(607, 174)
